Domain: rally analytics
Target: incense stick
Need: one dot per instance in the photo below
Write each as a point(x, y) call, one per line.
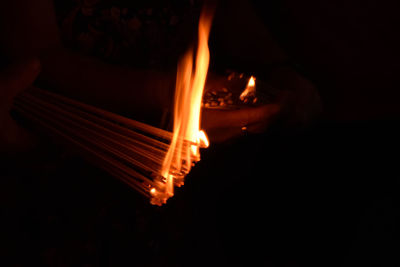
point(129, 150)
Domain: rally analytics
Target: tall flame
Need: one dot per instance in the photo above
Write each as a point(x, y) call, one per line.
point(187, 135)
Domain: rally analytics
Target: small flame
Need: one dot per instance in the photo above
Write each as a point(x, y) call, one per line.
point(250, 89)
point(203, 140)
point(252, 82)
point(190, 81)
point(153, 191)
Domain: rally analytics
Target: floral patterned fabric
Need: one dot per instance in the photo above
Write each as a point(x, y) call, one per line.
point(137, 33)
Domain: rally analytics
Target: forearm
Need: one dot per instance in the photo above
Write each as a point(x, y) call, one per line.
point(105, 85)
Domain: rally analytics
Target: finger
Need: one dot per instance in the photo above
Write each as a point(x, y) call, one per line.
point(220, 135)
point(225, 134)
point(259, 127)
point(238, 118)
point(17, 78)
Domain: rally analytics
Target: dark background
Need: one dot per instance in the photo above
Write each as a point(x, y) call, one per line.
point(327, 196)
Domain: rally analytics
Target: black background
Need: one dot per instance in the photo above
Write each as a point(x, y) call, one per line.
point(325, 197)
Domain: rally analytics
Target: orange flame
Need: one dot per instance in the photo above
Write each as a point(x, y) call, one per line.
point(250, 89)
point(187, 135)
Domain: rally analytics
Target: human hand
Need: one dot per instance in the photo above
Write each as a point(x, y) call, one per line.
point(295, 101)
point(14, 79)
point(229, 117)
point(223, 125)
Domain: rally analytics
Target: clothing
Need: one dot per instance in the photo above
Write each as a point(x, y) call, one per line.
point(136, 33)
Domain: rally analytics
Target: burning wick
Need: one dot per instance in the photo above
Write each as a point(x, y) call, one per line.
point(250, 90)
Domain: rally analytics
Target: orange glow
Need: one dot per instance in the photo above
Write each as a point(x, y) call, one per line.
point(252, 82)
point(187, 136)
point(250, 89)
point(203, 140)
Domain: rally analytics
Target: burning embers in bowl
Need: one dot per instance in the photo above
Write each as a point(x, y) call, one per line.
point(238, 91)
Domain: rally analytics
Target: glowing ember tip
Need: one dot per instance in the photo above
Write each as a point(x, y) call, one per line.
point(152, 191)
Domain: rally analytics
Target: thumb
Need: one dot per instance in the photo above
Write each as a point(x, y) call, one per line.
point(16, 78)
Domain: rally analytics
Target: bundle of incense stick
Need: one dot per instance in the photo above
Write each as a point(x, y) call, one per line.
point(129, 150)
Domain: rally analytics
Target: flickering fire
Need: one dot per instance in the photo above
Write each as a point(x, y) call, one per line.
point(250, 89)
point(190, 81)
